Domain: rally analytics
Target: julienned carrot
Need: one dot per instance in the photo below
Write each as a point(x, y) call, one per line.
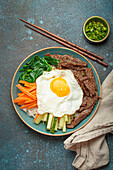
point(29, 101)
point(33, 92)
point(21, 103)
point(27, 98)
point(36, 117)
point(24, 90)
point(27, 105)
point(34, 105)
point(24, 98)
point(32, 88)
point(21, 99)
point(22, 95)
point(19, 94)
point(27, 83)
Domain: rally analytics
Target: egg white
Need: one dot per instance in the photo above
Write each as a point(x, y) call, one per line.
point(49, 102)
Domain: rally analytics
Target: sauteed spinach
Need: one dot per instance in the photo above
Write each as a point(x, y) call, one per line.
point(51, 61)
point(35, 67)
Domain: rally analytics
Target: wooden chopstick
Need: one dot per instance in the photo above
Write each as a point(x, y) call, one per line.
point(54, 37)
point(62, 39)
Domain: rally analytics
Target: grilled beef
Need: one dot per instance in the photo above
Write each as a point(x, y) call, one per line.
point(86, 80)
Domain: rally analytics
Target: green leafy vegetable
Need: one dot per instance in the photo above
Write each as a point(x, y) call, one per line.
point(34, 68)
point(51, 61)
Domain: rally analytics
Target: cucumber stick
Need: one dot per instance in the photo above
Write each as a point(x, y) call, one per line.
point(69, 119)
point(39, 119)
point(53, 124)
point(61, 122)
point(64, 127)
point(66, 118)
point(45, 117)
point(56, 126)
point(50, 118)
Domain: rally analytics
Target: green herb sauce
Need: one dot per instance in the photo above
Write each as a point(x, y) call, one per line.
point(95, 30)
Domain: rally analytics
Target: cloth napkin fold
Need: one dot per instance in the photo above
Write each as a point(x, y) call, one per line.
point(89, 142)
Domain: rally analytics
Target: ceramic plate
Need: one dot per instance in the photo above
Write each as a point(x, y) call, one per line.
point(41, 128)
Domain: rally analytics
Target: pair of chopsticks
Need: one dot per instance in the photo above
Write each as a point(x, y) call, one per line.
point(66, 43)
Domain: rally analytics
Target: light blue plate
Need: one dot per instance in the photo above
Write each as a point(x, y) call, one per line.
point(41, 128)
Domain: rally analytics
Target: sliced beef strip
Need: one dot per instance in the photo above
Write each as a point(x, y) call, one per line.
point(88, 102)
point(86, 77)
point(80, 75)
point(68, 63)
point(85, 109)
point(71, 67)
point(86, 92)
point(82, 86)
point(90, 83)
point(68, 60)
point(79, 118)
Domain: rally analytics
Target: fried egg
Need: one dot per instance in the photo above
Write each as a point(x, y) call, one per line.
point(58, 92)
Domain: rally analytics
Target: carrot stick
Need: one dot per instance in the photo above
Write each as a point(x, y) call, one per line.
point(25, 82)
point(34, 105)
point(27, 98)
point(32, 89)
point(28, 85)
point(21, 103)
point(36, 117)
point(33, 92)
point(29, 104)
point(21, 98)
point(21, 88)
point(19, 94)
point(29, 101)
point(22, 95)
point(27, 88)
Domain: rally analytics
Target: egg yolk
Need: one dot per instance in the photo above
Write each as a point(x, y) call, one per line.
point(60, 87)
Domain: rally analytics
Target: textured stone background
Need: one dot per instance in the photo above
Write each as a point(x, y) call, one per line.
point(21, 147)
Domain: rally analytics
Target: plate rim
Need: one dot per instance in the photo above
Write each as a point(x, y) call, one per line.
point(68, 133)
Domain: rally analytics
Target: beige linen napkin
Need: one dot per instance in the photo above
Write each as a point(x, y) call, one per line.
point(89, 143)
